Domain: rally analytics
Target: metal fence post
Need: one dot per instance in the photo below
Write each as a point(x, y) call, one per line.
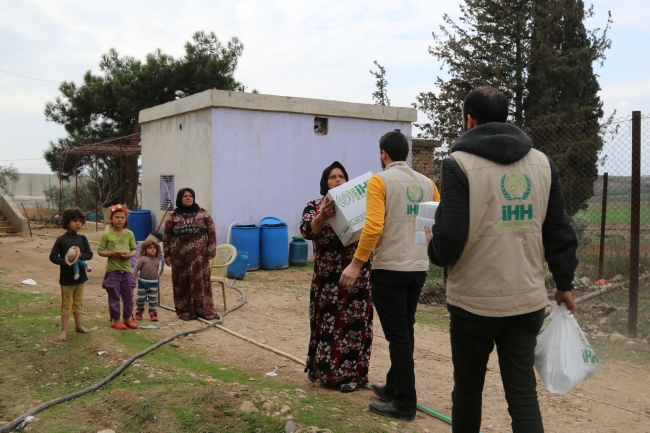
point(635, 222)
point(603, 224)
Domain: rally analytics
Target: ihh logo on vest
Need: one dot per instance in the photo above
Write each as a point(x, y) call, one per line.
point(415, 194)
point(516, 187)
point(356, 193)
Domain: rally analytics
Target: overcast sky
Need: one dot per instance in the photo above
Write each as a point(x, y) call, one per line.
point(293, 48)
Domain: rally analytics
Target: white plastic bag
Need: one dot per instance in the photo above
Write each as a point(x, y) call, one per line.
point(563, 356)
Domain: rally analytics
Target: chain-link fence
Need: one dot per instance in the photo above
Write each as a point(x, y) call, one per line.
point(606, 184)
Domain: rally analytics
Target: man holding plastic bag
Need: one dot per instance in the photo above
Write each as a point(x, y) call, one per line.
point(501, 214)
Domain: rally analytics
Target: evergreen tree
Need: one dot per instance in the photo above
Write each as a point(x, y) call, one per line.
point(107, 105)
point(539, 54)
point(563, 90)
point(380, 96)
point(490, 46)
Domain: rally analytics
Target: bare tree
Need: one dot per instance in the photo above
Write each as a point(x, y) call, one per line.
point(380, 96)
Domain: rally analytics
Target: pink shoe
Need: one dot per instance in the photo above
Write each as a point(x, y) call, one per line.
point(118, 325)
point(131, 324)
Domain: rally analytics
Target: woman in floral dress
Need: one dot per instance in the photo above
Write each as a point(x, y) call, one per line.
point(190, 244)
point(340, 317)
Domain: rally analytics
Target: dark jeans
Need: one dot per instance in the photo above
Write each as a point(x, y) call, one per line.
point(395, 296)
point(471, 344)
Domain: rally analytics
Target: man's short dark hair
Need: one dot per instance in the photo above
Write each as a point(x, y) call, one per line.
point(70, 214)
point(485, 105)
point(395, 145)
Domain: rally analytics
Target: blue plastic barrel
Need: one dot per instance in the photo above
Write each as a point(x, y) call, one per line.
point(274, 243)
point(91, 217)
point(237, 269)
point(298, 251)
point(246, 237)
point(140, 223)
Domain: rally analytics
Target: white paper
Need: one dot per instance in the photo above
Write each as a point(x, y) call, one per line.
point(29, 282)
point(427, 209)
point(420, 238)
point(421, 222)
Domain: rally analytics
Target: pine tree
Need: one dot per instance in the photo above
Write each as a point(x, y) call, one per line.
point(490, 46)
point(563, 90)
point(539, 54)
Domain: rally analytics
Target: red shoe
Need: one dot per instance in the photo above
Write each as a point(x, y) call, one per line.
point(153, 316)
point(118, 325)
point(138, 316)
point(131, 324)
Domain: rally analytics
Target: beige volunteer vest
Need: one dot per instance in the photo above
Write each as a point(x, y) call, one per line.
point(396, 249)
point(500, 271)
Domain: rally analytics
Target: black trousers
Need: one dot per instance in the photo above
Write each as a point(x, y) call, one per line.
point(395, 296)
point(471, 344)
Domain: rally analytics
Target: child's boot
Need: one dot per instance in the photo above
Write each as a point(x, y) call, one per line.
point(153, 315)
point(138, 315)
point(76, 276)
point(130, 324)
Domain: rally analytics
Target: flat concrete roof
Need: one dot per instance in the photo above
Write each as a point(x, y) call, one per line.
point(285, 104)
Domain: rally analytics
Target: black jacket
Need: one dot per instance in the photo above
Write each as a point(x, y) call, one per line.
point(57, 256)
point(502, 143)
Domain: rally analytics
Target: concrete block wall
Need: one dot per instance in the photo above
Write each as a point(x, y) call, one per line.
point(17, 220)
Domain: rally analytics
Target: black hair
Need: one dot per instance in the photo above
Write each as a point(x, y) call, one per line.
point(70, 214)
point(395, 144)
point(485, 104)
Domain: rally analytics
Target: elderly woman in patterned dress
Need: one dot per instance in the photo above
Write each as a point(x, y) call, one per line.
point(340, 317)
point(190, 244)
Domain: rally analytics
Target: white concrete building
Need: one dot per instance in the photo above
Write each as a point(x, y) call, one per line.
point(248, 156)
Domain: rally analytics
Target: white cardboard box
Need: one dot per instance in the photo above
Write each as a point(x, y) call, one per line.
point(427, 209)
point(350, 202)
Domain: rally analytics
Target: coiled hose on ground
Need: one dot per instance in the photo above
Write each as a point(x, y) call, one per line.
point(13, 424)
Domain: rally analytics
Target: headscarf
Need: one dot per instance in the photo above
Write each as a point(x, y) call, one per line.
point(180, 208)
point(326, 174)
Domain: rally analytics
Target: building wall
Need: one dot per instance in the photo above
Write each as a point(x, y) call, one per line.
point(270, 164)
point(184, 153)
point(28, 189)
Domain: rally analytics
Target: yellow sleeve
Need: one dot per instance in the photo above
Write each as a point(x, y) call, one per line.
point(436, 194)
point(375, 217)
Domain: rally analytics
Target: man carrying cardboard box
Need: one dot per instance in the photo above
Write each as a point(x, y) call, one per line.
point(399, 267)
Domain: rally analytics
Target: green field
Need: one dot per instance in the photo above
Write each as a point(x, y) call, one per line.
point(616, 216)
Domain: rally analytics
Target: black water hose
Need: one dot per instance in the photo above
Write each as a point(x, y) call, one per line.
point(13, 424)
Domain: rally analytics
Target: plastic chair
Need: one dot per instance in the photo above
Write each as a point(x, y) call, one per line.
point(226, 254)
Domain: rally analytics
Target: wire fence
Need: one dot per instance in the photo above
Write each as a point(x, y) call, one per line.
point(606, 184)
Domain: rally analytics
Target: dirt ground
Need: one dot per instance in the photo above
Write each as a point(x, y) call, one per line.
point(275, 313)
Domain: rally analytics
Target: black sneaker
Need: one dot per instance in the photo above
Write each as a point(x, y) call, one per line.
point(387, 409)
point(380, 392)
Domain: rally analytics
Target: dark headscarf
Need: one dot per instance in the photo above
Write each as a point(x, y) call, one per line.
point(179, 202)
point(326, 174)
